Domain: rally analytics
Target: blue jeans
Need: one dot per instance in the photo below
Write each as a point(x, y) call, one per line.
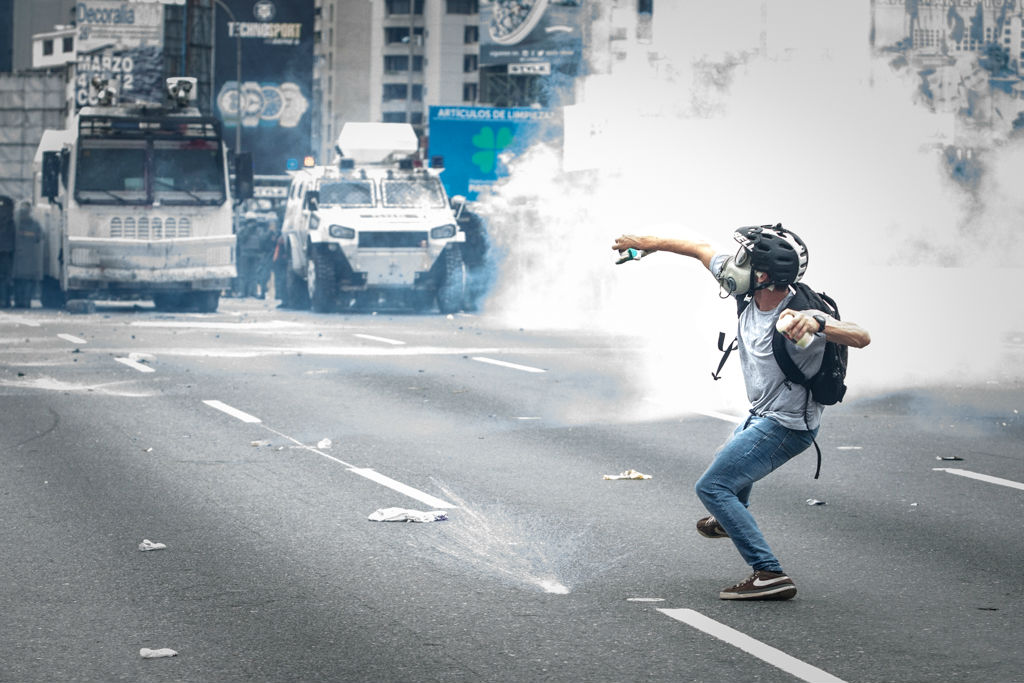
point(756, 448)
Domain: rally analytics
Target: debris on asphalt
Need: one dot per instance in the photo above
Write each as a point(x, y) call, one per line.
point(146, 653)
point(406, 515)
point(257, 444)
point(948, 457)
point(628, 474)
point(323, 443)
point(815, 501)
point(150, 545)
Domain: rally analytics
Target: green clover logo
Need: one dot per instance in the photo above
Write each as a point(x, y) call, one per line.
point(489, 145)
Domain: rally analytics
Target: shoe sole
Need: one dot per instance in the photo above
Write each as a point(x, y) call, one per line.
point(707, 534)
point(783, 592)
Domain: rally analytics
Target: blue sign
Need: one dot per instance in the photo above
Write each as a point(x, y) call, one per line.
point(476, 142)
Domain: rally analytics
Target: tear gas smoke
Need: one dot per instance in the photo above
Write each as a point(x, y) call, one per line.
point(695, 145)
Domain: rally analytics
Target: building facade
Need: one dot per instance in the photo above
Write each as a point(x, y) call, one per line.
point(390, 60)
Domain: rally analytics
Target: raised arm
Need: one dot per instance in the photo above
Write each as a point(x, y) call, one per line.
point(702, 251)
point(838, 331)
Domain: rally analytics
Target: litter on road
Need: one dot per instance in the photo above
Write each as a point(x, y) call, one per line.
point(150, 545)
point(323, 443)
point(815, 501)
point(146, 653)
point(406, 515)
point(628, 474)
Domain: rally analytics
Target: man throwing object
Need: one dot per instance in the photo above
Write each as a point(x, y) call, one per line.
point(783, 418)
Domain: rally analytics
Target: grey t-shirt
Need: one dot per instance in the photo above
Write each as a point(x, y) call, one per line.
point(769, 393)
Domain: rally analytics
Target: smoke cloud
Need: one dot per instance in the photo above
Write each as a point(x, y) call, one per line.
point(825, 138)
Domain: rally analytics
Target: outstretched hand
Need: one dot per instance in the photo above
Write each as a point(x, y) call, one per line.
point(625, 242)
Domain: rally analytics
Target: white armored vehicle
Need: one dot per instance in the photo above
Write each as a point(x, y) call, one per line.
point(373, 229)
point(134, 201)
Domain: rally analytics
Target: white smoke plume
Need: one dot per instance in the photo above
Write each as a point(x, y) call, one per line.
point(826, 139)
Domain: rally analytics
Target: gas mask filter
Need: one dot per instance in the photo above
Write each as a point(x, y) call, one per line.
point(736, 274)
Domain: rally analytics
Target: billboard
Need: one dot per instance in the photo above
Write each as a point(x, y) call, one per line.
point(273, 106)
point(122, 43)
point(478, 142)
point(530, 37)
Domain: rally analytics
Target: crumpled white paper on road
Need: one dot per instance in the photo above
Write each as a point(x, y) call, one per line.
point(150, 545)
point(405, 515)
point(146, 653)
point(628, 474)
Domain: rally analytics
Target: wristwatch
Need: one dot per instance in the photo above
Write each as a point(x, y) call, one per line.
point(820, 319)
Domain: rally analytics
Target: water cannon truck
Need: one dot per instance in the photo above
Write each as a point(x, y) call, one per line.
point(135, 202)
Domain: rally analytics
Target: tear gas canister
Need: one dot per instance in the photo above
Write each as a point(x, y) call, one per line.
point(785, 322)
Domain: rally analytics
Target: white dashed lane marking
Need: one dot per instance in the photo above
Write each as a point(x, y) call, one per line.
point(365, 472)
point(506, 364)
point(981, 477)
point(233, 412)
point(133, 362)
point(766, 653)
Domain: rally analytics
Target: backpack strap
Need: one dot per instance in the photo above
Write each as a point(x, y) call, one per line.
point(786, 362)
point(741, 303)
point(793, 375)
point(726, 350)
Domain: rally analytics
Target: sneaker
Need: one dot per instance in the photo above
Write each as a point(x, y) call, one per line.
point(710, 528)
point(761, 585)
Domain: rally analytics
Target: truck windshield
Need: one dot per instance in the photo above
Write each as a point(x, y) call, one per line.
point(346, 193)
point(187, 171)
point(422, 193)
point(111, 172)
point(126, 172)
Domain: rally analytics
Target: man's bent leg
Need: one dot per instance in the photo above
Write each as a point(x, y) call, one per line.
point(757, 448)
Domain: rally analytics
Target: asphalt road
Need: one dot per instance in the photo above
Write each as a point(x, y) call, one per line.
point(254, 443)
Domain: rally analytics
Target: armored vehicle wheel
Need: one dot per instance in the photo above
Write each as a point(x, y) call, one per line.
point(453, 282)
point(321, 281)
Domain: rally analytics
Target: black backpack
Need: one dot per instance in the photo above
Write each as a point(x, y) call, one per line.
point(828, 385)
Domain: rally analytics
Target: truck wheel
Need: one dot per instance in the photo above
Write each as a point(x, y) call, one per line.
point(168, 302)
point(321, 282)
point(298, 295)
point(453, 282)
point(206, 302)
point(50, 293)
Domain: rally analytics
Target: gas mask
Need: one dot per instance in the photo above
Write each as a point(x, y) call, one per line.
point(737, 274)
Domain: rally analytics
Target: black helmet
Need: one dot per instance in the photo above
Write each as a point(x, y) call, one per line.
point(776, 251)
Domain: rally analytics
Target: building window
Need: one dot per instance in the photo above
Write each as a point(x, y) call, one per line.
point(402, 7)
point(47, 47)
point(469, 63)
point(417, 93)
point(395, 91)
point(416, 118)
point(462, 7)
point(400, 34)
point(394, 117)
point(69, 44)
point(469, 92)
point(645, 6)
point(396, 63)
point(471, 34)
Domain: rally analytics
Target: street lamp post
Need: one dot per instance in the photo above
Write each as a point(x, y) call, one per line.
point(238, 69)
